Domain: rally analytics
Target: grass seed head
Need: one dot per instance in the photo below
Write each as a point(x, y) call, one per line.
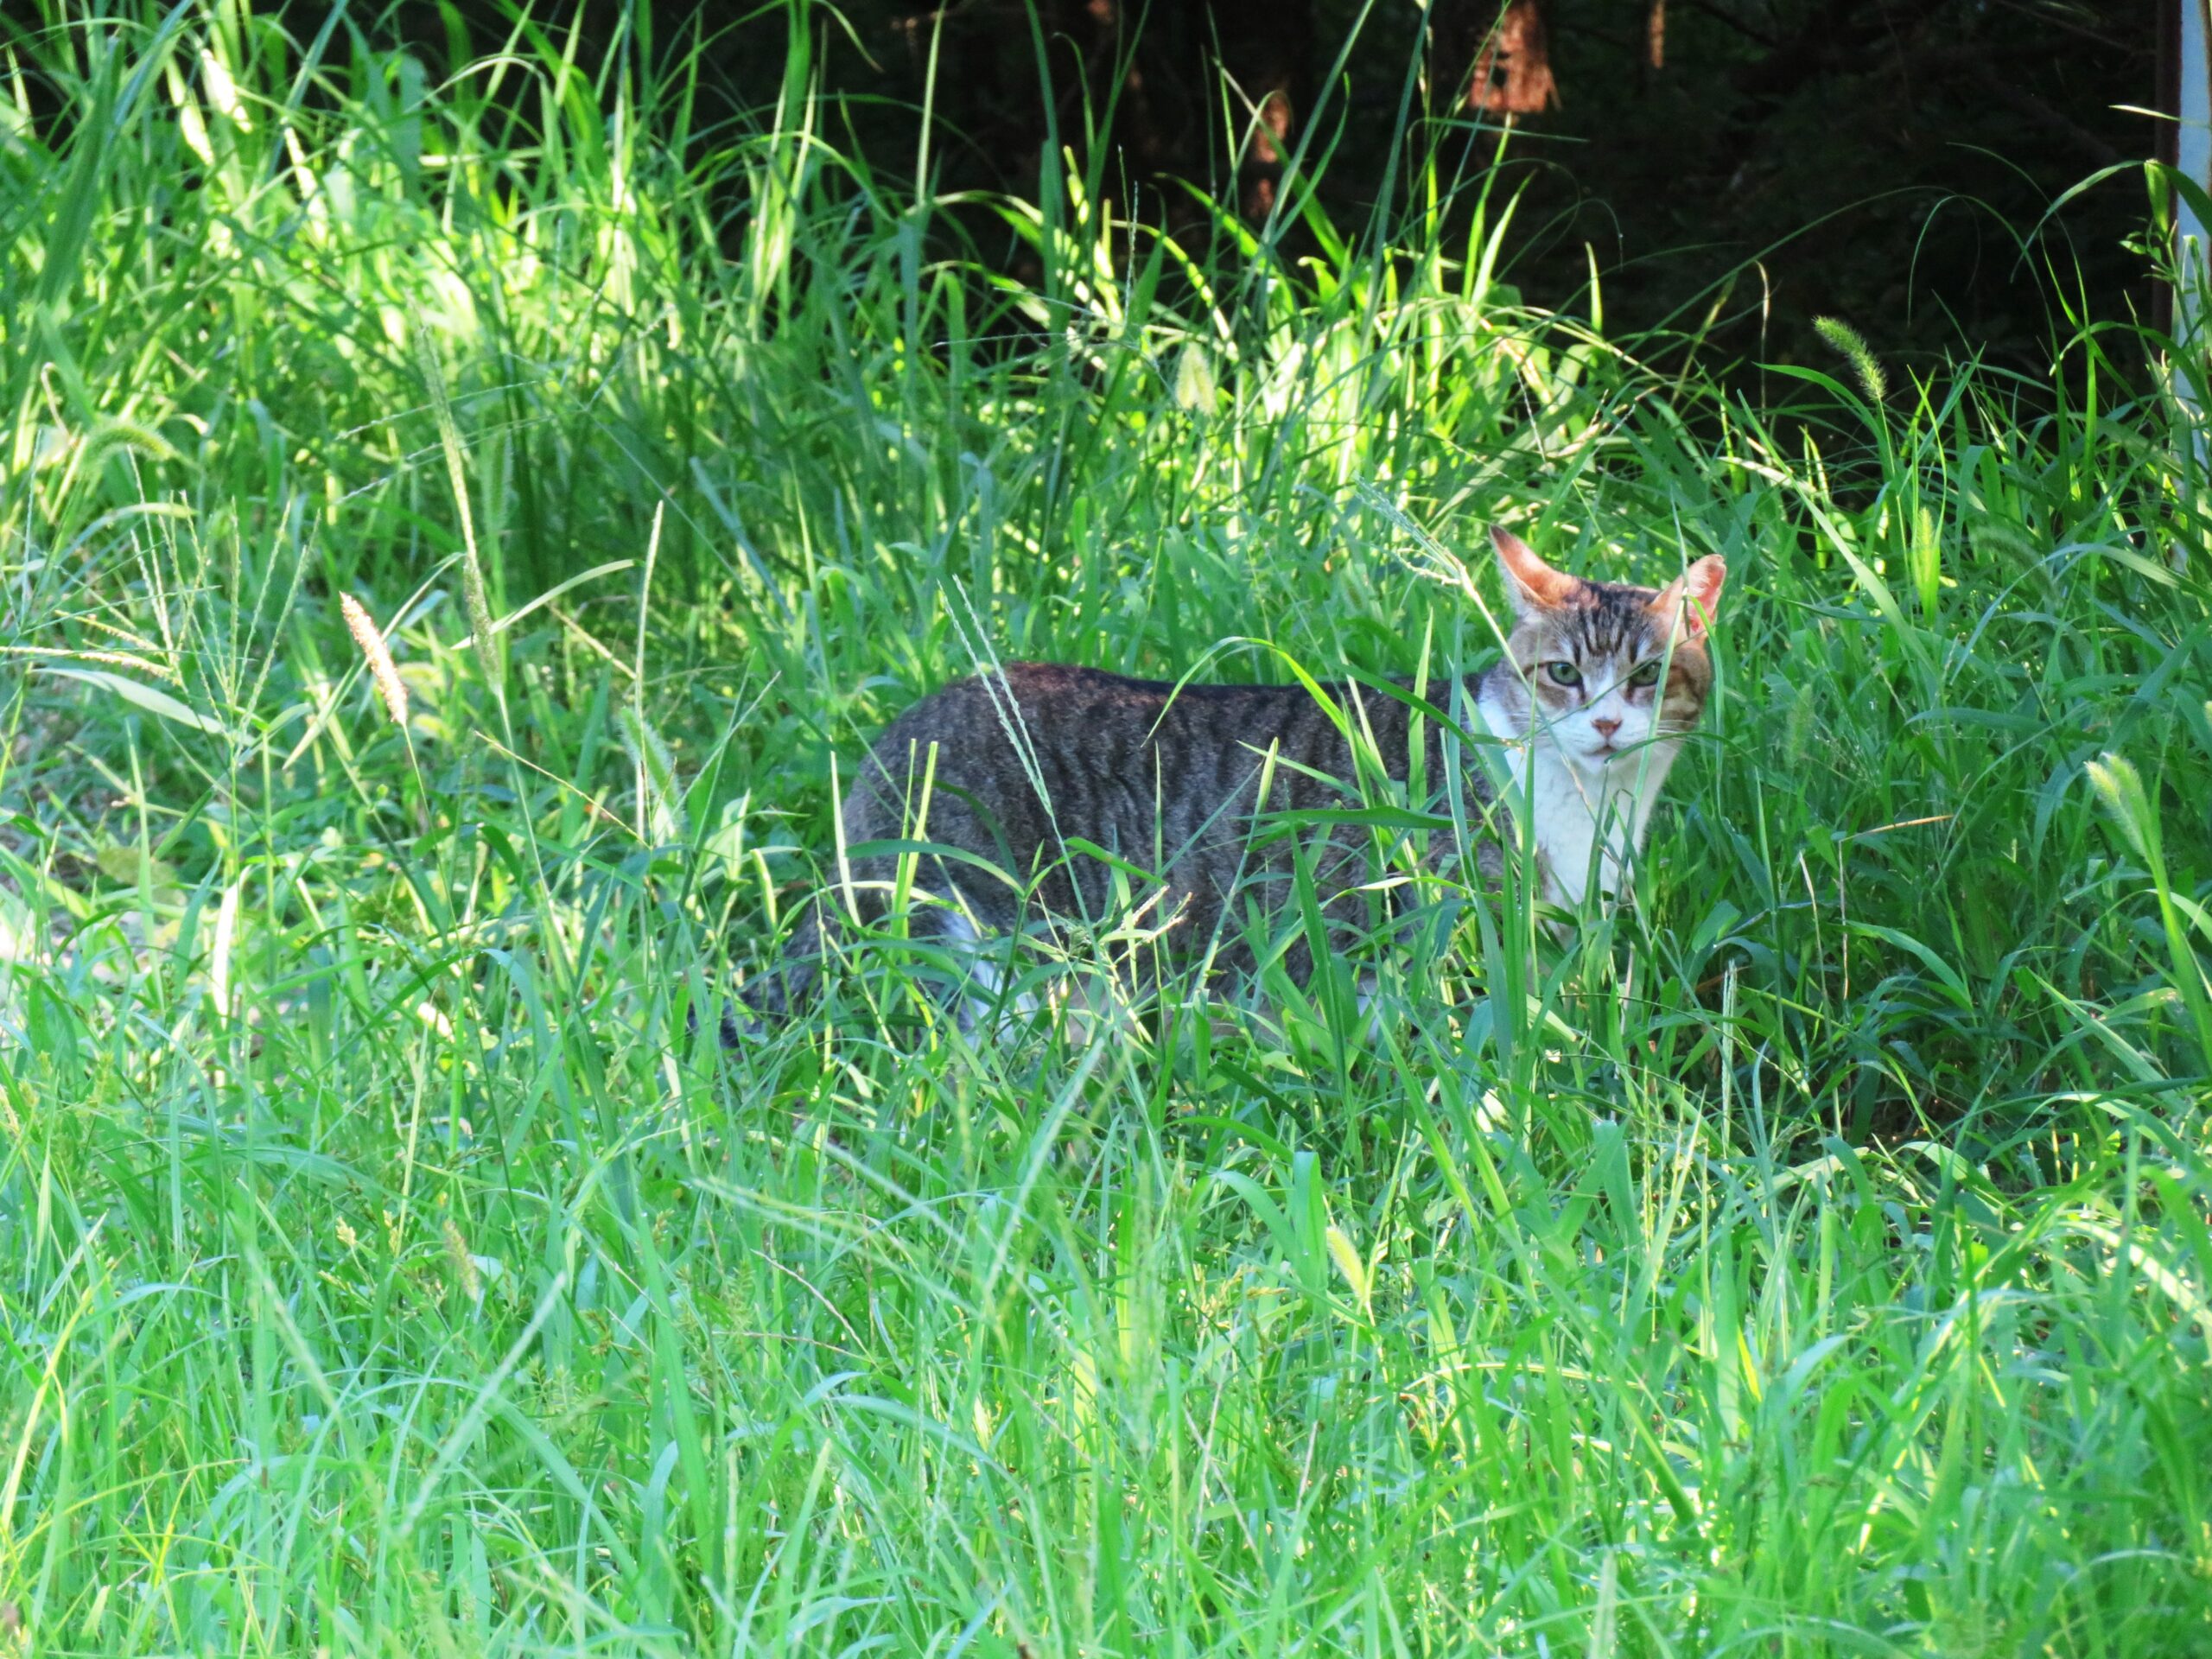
point(464, 1264)
point(382, 670)
point(1853, 344)
point(656, 763)
point(1196, 388)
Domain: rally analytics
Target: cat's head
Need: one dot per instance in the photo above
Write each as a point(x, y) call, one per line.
point(1605, 667)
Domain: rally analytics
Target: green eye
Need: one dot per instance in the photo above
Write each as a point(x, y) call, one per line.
point(1564, 673)
point(1646, 674)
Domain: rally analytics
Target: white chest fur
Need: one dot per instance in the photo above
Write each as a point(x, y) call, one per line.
point(1589, 823)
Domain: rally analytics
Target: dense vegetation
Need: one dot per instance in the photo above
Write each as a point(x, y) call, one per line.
point(1741, 166)
point(1811, 1258)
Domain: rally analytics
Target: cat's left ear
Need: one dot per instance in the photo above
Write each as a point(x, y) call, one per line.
point(1700, 586)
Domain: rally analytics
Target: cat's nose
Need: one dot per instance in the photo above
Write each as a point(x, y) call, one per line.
point(1605, 728)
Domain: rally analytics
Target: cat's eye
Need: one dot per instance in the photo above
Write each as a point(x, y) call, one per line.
point(1646, 674)
point(1564, 673)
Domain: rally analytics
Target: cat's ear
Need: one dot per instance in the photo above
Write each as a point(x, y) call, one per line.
point(1531, 583)
point(1700, 586)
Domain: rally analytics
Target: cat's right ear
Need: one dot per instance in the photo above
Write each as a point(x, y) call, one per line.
point(1531, 583)
point(1694, 597)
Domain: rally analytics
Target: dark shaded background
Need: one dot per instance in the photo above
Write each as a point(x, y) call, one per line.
point(1877, 160)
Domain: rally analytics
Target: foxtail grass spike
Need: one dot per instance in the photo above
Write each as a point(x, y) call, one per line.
point(382, 670)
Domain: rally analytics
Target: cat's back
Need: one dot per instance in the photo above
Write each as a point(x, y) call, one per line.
point(1105, 755)
point(1084, 715)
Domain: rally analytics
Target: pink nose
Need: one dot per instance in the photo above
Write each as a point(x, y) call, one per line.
point(1605, 728)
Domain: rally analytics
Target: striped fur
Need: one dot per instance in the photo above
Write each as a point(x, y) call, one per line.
point(1034, 757)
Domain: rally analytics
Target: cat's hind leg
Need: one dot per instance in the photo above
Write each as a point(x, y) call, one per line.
point(986, 962)
point(772, 997)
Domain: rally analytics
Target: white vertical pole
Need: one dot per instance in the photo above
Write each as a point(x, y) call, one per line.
point(2193, 160)
point(2193, 157)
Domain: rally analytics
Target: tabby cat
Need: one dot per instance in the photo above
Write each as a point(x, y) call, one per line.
point(1036, 763)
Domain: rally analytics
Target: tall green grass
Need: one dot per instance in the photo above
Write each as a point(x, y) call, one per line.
point(1811, 1258)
